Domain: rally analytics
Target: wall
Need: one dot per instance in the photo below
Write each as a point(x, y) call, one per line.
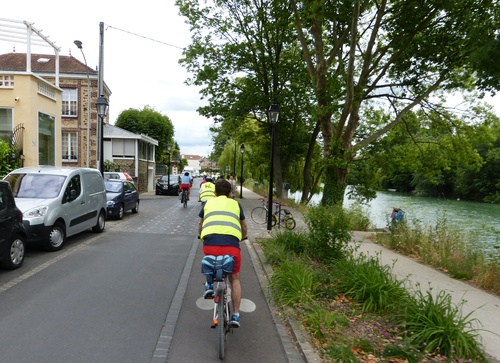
point(26, 112)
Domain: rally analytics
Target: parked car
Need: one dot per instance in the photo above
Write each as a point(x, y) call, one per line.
point(59, 202)
point(122, 196)
point(163, 188)
point(117, 175)
point(12, 231)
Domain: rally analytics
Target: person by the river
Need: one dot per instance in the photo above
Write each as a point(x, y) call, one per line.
point(397, 215)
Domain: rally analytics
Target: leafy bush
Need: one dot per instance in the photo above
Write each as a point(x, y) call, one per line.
point(111, 166)
point(358, 217)
point(329, 232)
point(7, 163)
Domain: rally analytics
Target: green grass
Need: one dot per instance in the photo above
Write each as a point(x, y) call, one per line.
point(446, 249)
point(368, 282)
point(294, 283)
point(438, 325)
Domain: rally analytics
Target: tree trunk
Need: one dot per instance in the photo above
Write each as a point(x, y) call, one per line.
point(306, 173)
point(333, 193)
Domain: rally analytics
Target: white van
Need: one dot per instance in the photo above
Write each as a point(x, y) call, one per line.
point(59, 202)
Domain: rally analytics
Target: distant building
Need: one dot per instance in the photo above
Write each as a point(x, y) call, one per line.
point(48, 114)
point(206, 163)
point(193, 162)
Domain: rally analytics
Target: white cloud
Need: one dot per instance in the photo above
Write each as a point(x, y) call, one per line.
point(139, 68)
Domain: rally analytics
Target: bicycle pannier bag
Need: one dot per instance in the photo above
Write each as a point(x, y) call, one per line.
point(215, 267)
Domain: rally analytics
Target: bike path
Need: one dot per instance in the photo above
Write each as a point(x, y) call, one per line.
point(187, 335)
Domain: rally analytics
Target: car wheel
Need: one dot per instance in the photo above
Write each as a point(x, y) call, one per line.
point(121, 212)
point(157, 192)
point(136, 209)
point(57, 237)
point(101, 223)
point(14, 256)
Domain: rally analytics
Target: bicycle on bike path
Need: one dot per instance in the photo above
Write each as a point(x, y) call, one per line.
point(280, 215)
point(222, 227)
point(185, 187)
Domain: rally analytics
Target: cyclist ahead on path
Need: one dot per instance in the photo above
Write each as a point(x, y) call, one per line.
point(221, 228)
point(186, 183)
point(207, 190)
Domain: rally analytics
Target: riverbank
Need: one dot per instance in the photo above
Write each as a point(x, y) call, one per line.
point(479, 221)
point(481, 305)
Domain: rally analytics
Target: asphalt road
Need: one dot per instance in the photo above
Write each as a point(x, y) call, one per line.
point(130, 294)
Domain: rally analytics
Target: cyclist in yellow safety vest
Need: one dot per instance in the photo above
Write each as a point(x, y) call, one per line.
point(207, 190)
point(221, 228)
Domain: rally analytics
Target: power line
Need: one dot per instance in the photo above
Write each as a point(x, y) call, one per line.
point(142, 36)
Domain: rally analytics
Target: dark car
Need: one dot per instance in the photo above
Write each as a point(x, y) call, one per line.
point(122, 196)
point(12, 231)
point(163, 188)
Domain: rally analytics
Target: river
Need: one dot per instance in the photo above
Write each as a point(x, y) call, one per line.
point(481, 220)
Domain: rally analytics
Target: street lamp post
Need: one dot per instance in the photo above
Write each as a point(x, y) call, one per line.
point(169, 147)
point(242, 149)
point(79, 45)
point(102, 110)
point(272, 114)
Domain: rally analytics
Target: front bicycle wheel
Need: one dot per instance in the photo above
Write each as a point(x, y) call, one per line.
point(274, 220)
point(221, 324)
point(259, 215)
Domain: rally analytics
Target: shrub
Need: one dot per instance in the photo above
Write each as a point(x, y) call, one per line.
point(329, 232)
point(358, 218)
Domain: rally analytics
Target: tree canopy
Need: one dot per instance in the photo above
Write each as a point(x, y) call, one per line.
point(329, 63)
point(148, 122)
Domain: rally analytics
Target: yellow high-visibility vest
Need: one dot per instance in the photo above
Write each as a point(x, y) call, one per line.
point(221, 216)
point(207, 191)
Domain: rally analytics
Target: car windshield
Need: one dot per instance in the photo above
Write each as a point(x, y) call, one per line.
point(113, 187)
point(36, 185)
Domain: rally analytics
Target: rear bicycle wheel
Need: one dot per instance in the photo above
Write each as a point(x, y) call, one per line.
point(184, 199)
point(289, 222)
point(221, 324)
point(259, 215)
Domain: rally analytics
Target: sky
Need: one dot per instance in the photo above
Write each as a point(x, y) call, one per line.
point(140, 53)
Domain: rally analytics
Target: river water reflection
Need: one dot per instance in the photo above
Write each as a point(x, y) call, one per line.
point(481, 220)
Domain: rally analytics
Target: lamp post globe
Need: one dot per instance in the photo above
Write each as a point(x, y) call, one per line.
point(272, 115)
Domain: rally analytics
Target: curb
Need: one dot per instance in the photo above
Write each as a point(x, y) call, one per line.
point(294, 338)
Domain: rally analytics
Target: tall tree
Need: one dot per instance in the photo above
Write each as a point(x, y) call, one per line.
point(244, 56)
point(148, 122)
point(390, 54)
point(397, 51)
